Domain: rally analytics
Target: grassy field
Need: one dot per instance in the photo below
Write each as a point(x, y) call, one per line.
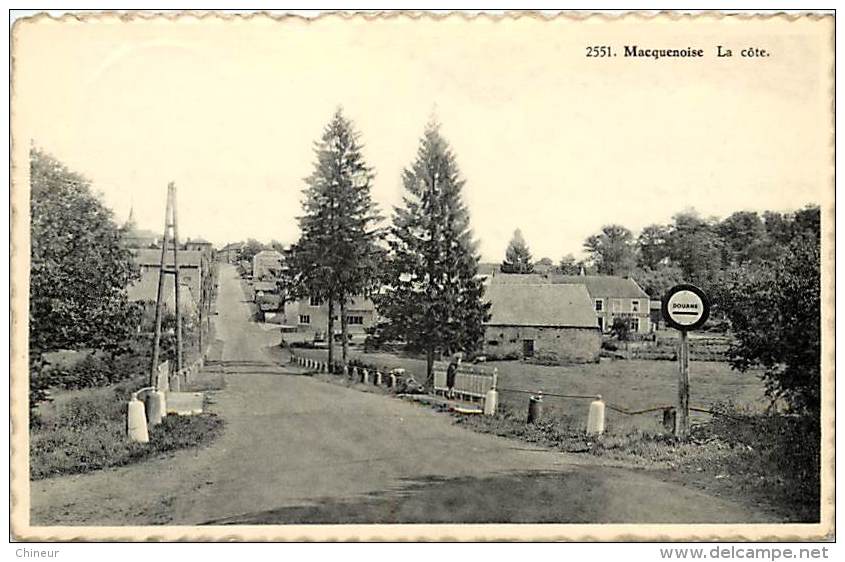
point(630, 384)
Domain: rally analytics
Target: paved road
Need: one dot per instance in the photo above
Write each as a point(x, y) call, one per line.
point(298, 450)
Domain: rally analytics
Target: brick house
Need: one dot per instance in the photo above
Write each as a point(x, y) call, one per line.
point(554, 323)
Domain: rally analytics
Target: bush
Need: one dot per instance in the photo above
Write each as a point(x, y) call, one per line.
point(88, 433)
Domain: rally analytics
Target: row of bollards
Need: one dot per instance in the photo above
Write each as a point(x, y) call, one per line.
point(140, 415)
point(390, 379)
point(595, 414)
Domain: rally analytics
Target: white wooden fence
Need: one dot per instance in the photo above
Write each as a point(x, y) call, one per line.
point(469, 383)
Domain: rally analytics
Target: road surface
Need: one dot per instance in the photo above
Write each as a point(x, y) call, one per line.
point(298, 450)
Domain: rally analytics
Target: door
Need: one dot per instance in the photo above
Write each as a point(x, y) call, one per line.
point(528, 348)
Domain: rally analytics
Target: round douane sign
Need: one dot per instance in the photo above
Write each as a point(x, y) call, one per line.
point(685, 307)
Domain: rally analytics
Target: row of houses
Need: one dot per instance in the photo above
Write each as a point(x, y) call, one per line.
point(556, 318)
point(195, 258)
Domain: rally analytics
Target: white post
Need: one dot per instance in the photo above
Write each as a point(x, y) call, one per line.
point(595, 418)
point(136, 422)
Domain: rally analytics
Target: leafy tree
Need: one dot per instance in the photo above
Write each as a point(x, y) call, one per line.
point(517, 256)
point(568, 265)
point(79, 269)
point(432, 297)
point(652, 243)
point(775, 312)
point(656, 282)
point(544, 265)
point(695, 247)
point(250, 248)
point(621, 329)
point(744, 238)
point(612, 250)
point(336, 256)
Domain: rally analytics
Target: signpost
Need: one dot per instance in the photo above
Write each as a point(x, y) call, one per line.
point(685, 307)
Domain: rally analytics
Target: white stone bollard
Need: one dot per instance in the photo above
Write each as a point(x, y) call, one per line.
point(377, 378)
point(155, 407)
point(595, 419)
point(136, 422)
point(392, 380)
point(491, 402)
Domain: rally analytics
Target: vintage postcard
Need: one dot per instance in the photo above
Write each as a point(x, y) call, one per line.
point(384, 276)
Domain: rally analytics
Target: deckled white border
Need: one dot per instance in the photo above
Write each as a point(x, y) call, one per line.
point(412, 532)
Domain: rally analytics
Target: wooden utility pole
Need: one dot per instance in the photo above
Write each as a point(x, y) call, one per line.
point(171, 235)
point(683, 387)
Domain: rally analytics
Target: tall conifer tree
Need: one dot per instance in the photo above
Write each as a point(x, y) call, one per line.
point(432, 297)
point(517, 256)
point(334, 258)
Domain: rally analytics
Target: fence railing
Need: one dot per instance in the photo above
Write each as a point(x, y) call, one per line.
point(469, 383)
point(176, 381)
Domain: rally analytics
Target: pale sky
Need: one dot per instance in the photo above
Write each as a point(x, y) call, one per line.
point(549, 141)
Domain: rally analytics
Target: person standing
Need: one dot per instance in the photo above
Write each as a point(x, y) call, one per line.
point(452, 373)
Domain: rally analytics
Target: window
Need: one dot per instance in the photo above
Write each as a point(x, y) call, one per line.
point(354, 319)
point(314, 301)
point(635, 306)
point(492, 343)
point(304, 318)
point(599, 305)
point(635, 324)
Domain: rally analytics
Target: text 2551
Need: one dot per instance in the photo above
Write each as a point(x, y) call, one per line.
point(599, 51)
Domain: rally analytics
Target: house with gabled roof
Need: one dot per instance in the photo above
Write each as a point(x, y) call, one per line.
point(613, 297)
point(552, 323)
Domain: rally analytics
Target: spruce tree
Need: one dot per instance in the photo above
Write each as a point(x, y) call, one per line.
point(432, 297)
point(334, 258)
point(517, 256)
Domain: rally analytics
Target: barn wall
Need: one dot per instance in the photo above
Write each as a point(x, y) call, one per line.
point(551, 345)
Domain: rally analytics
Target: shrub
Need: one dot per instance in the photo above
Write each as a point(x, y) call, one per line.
point(87, 433)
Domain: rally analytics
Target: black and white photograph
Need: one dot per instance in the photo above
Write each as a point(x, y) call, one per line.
point(405, 276)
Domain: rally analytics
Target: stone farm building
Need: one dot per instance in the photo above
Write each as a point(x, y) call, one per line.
point(553, 323)
point(311, 315)
point(612, 297)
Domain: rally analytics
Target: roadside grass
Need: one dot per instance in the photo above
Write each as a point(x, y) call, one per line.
point(770, 461)
point(767, 460)
point(82, 431)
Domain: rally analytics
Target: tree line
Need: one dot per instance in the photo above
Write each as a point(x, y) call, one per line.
point(421, 271)
point(762, 272)
point(689, 249)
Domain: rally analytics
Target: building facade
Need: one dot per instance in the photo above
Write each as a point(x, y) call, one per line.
point(614, 297)
point(266, 264)
point(545, 322)
point(311, 315)
point(191, 268)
